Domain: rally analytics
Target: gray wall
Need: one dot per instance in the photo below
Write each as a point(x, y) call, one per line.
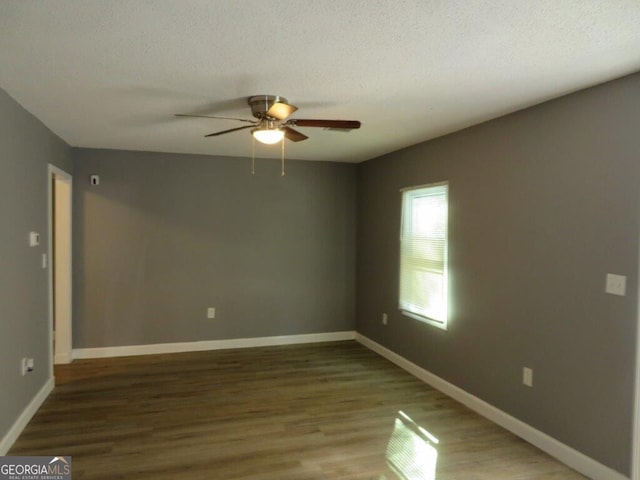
point(543, 203)
point(26, 147)
point(164, 236)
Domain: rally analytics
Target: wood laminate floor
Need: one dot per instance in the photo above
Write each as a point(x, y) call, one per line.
point(323, 411)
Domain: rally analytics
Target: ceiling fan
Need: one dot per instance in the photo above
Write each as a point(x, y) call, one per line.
point(271, 126)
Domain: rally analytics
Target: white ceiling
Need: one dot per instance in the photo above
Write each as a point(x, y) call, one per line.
point(111, 73)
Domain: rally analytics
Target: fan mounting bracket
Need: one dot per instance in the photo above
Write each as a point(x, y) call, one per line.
point(260, 104)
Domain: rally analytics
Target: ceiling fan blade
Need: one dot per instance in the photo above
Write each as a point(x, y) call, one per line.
point(294, 135)
point(281, 110)
point(212, 116)
point(343, 124)
point(228, 131)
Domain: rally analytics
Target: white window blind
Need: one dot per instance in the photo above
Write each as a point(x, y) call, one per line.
point(423, 254)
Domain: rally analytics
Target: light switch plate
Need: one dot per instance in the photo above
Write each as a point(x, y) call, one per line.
point(616, 284)
point(34, 239)
point(527, 376)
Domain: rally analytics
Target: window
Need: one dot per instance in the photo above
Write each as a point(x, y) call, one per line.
point(423, 254)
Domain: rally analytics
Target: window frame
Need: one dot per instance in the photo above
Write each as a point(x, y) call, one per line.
point(410, 193)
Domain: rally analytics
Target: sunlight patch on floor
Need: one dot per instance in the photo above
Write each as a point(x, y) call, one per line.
point(411, 453)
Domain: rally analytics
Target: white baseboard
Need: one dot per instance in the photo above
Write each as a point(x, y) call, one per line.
point(569, 456)
point(24, 418)
point(130, 350)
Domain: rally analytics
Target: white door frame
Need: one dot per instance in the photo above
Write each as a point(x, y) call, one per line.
point(635, 442)
point(63, 344)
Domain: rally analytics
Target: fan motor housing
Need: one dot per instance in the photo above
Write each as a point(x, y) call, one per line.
point(260, 104)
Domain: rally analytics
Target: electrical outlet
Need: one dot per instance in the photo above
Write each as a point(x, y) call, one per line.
point(384, 319)
point(23, 367)
point(211, 312)
point(527, 376)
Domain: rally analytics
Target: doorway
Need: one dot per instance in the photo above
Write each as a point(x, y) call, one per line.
point(60, 276)
point(635, 455)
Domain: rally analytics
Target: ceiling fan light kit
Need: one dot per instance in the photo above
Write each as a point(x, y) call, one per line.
point(267, 136)
point(271, 125)
point(267, 131)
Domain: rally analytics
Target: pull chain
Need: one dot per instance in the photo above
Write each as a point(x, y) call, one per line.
point(282, 157)
point(253, 155)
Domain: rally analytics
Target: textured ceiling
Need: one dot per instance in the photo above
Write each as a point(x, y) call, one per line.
point(111, 73)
